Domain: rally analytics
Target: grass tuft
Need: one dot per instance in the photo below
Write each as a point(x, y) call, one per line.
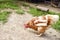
point(56, 25)
point(25, 4)
point(11, 5)
point(20, 11)
point(35, 12)
point(3, 16)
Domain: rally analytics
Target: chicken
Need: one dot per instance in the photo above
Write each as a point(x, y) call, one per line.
point(41, 23)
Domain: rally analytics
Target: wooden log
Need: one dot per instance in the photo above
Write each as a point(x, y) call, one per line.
point(42, 8)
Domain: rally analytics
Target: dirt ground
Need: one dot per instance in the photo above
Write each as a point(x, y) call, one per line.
point(14, 29)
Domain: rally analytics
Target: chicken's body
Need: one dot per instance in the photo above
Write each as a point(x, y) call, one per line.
point(41, 23)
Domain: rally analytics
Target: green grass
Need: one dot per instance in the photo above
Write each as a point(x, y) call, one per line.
point(20, 11)
point(6, 0)
point(3, 16)
point(11, 5)
point(35, 12)
point(56, 25)
point(25, 4)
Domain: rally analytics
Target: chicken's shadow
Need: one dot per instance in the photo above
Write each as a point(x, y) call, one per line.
point(45, 35)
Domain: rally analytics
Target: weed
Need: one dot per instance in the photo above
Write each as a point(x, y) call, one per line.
point(3, 16)
point(25, 4)
point(8, 5)
point(56, 25)
point(20, 11)
point(35, 12)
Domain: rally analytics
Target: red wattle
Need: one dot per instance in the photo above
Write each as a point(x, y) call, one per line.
point(26, 26)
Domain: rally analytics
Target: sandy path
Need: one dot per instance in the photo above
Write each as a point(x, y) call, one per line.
point(14, 30)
